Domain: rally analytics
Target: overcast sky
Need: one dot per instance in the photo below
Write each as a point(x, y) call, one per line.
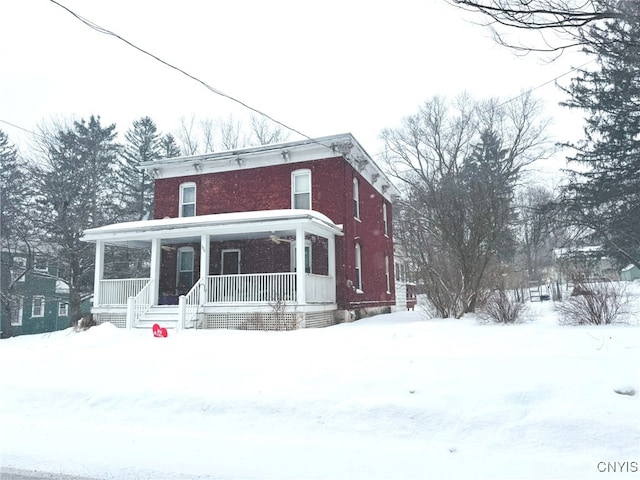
point(321, 67)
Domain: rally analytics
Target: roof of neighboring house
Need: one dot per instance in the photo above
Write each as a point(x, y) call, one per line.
point(344, 145)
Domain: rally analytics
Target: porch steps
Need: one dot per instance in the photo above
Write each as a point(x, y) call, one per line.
point(164, 315)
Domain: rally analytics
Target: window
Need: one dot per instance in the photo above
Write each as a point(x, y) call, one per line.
point(188, 200)
point(307, 256)
point(37, 306)
point(184, 280)
point(385, 221)
point(230, 262)
point(301, 189)
point(386, 273)
point(16, 310)
point(40, 265)
point(356, 199)
point(63, 309)
point(19, 269)
point(358, 273)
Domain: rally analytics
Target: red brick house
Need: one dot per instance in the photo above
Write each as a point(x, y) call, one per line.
point(225, 234)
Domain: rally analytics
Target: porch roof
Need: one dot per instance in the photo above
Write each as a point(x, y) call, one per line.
point(236, 225)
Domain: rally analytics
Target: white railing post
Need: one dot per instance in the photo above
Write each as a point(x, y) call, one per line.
point(131, 312)
point(182, 312)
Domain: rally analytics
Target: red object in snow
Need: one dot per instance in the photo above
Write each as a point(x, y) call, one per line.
point(159, 331)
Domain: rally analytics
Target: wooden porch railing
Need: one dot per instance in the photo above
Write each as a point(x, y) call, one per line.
point(139, 305)
point(118, 291)
point(251, 288)
point(320, 288)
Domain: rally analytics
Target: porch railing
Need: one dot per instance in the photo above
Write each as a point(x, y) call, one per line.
point(118, 291)
point(251, 288)
point(140, 304)
point(320, 288)
point(189, 305)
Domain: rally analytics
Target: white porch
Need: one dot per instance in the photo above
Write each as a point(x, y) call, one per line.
point(286, 299)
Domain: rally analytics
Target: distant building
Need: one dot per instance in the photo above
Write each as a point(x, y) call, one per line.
point(586, 263)
point(33, 299)
point(630, 273)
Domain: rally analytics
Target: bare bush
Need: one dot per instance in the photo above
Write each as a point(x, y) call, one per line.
point(503, 306)
point(594, 303)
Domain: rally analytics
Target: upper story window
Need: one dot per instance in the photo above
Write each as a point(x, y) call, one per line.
point(301, 189)
point(19, 268)
point(385, 219)
point(40, 265)
point(37, 306)
point(356, 198)
point(188, 200)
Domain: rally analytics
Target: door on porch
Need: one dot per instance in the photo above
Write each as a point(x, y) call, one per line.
point(185, 270)
point(230, 262)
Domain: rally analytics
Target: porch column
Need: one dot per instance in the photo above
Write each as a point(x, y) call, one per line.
point(99, 272)
point(205, 254)
point(301, 285)
point(156, 254)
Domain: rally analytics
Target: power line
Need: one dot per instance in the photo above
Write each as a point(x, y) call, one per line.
point(105, 31)
point(20, 128)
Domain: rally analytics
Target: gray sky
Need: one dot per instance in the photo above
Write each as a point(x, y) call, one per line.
point(321, 67)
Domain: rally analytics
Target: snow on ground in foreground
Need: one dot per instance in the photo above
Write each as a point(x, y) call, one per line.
point(396, 396)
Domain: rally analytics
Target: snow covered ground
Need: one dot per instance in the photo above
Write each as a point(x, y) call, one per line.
point(396, 396)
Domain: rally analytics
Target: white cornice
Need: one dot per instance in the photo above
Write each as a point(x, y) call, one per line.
point(343, 145)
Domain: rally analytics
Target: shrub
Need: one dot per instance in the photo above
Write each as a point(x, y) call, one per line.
point(594, 303)
point(502, 306)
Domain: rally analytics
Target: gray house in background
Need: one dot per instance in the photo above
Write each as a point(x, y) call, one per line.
point(630, 273)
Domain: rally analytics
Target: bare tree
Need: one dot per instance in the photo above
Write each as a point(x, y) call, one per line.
point(230, 133)
point(264, 132)
point(552, 25)
point(457, 164)
point(187, 137)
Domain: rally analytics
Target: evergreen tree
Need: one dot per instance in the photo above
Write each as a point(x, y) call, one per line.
point(74, 182)
point(16, 229)
point(170, 148)
point(604, 191)
point(489, 181)
point(142, 144)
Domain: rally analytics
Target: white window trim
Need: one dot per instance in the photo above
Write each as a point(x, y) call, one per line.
point(386, 273)
point(33, 304)
point(63, 309)
point(385, 219)
point(17, 321)
point(229, 250)
point(307, 244)
point(19, 268)
point(183, 187)
point(179, 265)
point(356, 198)
point(298, 173)
point(358, 268)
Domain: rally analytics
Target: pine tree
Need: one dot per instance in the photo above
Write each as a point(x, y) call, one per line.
point(170, 148)
point(75, 190)
point(16, 232)
point(143, 144)
point(604, 191)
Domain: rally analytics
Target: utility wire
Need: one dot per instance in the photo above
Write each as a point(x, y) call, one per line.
point(105, 31)
point(20, 128)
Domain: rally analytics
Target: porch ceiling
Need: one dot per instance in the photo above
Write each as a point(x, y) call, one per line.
point(223, 226)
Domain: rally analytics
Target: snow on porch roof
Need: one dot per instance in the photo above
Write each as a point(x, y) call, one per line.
point(215, 224)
